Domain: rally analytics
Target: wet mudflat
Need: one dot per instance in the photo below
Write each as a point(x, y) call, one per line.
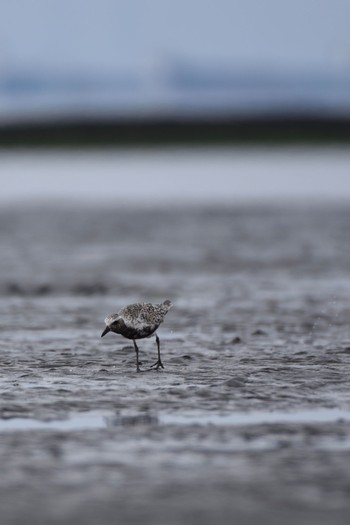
point(250, 420)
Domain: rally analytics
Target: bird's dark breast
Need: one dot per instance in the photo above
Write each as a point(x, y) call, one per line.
point(130, 332)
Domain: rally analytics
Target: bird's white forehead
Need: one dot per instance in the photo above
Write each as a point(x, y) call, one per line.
point(110, 319)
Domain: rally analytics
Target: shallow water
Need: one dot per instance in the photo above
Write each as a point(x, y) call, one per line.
point(99, 419)
point(250, 417)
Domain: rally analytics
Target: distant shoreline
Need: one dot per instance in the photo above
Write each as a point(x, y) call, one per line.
point(158, 131)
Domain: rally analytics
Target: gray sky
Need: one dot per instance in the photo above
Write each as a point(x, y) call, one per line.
point(109, 34)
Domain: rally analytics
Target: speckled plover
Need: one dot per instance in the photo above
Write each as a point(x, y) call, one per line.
point(138, 321)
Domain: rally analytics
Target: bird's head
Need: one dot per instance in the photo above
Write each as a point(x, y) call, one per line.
point(110, 319)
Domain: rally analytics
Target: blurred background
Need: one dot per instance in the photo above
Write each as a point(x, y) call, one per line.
point(83, 73)
point(178, 60)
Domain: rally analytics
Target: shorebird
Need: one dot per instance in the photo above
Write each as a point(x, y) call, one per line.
point(137, 321)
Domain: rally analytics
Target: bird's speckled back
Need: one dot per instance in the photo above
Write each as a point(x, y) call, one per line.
point(141, 314)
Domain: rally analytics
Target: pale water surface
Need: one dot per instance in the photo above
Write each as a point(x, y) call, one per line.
point(177, 175)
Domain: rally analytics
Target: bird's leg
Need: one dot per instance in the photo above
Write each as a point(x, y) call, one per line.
point(158, 363)
point(137, 356)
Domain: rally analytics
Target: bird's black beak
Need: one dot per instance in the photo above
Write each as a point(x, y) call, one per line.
point(105, 331)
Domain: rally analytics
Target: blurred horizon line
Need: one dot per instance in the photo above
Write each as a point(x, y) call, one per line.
point(162, 130)
point(175, 88)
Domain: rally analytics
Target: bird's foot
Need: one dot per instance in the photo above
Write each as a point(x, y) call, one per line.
point(138, 369)
point(158, 364)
